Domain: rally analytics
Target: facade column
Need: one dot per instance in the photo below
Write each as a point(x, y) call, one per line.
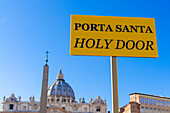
point(60, 99)
point(70, 100)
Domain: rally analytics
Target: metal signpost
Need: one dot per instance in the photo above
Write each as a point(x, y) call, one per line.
point(113, 36)
point(114, 78)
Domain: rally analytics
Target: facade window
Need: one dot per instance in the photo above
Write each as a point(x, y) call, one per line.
point(161, 102)
point(166, 111)
point(151, 110)
point(159, 110)
point(163, 111)
point(141, 100)
point(11, 106)
point(146, 101)
point(98, 109)
point(142, 109)
point(150, 101)
point(165, 103)
point(158, 102)
point(35, 107)
point(24, 107)
point(133, 109)
point(146, 110)
point(168, 104)
point(154, 102)
point(58, 100)
point(154, 110)
point(85, 109)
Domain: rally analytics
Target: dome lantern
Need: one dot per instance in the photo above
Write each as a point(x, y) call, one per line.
point(60, 75)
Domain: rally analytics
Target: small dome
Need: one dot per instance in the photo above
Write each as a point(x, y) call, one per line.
point(98, 97)
point(98, 100)
point(60, 87)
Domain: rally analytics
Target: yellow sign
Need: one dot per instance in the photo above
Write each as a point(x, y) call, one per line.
point(113, 36)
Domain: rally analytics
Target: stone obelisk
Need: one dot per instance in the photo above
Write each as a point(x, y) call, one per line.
point(43, 100)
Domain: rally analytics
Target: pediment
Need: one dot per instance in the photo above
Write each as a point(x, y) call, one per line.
point(56, 109)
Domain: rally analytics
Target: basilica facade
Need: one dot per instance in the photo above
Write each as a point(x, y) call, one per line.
point(60, 99)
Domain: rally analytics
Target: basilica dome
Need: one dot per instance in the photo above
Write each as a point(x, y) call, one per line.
point(60, 88)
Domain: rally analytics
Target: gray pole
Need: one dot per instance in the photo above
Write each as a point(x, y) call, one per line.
point(114, 81)
point(43, 101)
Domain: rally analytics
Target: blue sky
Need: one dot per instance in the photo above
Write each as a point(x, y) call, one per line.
point(28, 28)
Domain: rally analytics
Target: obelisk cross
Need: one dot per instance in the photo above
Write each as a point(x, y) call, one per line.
point(47, 56)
